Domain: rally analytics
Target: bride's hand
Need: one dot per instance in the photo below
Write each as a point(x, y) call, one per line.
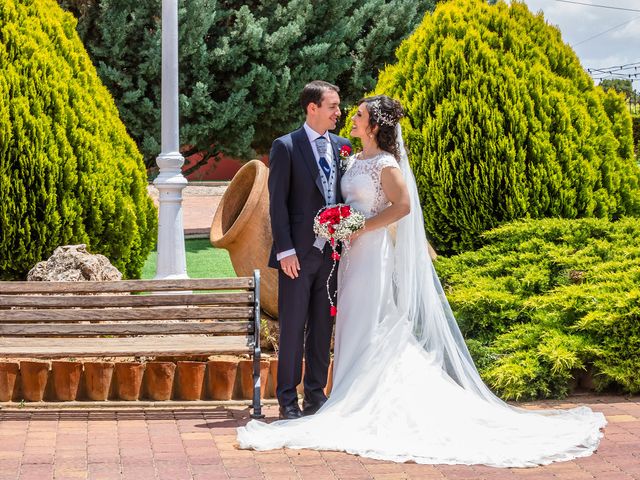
point(357, 234)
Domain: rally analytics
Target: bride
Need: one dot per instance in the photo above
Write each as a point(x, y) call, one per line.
point(404, 385)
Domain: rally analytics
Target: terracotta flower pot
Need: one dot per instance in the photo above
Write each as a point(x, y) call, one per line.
point(33, 380)
point(97, 379)
point(245, 369)
point(66, 379)
point(128, 380)
point(327, 388)
point(8, 375)
point(221, 378)
point(241, 226)
point(190, 378)
point(158, 378)
point(272, 381)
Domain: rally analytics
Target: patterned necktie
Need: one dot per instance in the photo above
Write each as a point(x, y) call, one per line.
point(321, 144)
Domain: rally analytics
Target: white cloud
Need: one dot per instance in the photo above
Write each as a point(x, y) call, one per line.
point(585, 29)
point(631, 31)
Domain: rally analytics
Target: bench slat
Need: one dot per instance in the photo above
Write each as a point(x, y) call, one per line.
point(21, 288)
point(45, 301)
point(130, 314)
point(146, 328)
point(124, 347)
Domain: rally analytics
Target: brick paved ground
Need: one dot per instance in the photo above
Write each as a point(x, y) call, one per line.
point(199, 443)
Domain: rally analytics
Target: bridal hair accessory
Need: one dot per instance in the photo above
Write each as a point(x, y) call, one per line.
point(336, 223)
point(382, 118)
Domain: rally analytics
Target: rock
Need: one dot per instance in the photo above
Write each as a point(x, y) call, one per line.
point(72, 263)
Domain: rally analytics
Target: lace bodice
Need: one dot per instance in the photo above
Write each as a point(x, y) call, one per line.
point(361, 186)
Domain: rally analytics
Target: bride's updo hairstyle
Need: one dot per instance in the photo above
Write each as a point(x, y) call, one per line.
point(385, 113)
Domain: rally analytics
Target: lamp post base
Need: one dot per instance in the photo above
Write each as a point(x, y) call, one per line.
point(171, 263)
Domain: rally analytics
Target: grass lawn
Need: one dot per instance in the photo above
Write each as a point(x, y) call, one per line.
point(203, 261)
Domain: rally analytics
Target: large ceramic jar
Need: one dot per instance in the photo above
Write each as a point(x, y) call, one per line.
point(241, 225)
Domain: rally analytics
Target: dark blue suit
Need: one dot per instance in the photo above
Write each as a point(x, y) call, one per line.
point(296, 195)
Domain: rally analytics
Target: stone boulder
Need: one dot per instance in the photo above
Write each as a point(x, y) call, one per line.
point(72, 263)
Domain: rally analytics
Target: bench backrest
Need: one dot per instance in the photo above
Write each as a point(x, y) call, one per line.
point(225, 306)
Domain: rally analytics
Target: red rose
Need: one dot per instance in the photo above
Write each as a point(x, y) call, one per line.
point(345, 151)
point(328, 216)
point(345, 211)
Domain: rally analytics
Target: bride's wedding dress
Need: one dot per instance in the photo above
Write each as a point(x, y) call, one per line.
point(404, 385)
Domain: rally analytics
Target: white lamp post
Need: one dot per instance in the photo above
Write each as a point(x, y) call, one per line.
point(170, 182)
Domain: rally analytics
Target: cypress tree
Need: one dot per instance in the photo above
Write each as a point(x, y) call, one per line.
point(242, 64)
point(503, 123)
point(69, 173)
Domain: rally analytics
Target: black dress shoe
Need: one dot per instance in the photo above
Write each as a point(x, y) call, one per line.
point(309, 408)
point(290, 412)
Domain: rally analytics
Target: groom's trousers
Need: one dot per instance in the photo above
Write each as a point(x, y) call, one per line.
point(305, 327)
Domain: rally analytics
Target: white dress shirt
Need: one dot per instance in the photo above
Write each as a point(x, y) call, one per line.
point(312, 135)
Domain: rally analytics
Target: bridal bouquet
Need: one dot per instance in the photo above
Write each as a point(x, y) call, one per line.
point(336, 223)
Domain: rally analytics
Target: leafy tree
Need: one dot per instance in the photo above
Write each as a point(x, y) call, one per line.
point(242, 64)
point(544, 301)
point(620, 85)
point(503, 123)
point(69, 173)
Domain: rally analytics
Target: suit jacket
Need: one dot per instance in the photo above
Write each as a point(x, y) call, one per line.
point(295, 192)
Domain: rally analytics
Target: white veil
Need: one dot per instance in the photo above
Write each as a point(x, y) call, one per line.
point(421, 299)
point(420, 296)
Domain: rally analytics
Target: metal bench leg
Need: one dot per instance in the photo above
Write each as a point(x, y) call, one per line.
point(257, 407)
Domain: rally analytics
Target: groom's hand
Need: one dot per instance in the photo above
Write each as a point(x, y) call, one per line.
point(290, 266)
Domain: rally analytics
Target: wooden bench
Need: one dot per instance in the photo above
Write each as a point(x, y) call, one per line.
point(133, 318)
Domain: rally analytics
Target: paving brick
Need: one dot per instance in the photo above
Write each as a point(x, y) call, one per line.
point(204, 459)
point(277, 469)
point(269, 476)
point(41, 458)
point(104, 471)
point(207, 469)
point(206, 476)
point(36, 472)
point(238, 463)
point(69, 473)
point(9, 473)
point(307, 461)
point(171, 473)
point(134, 462)
point(244, 472)
point(379, 468)
point(138, 473)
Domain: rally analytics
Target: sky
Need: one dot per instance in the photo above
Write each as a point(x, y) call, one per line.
point(616, 33)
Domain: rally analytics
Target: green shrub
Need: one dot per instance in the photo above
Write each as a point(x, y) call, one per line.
point(69, 173)
point(503, 123)
point(543, 299)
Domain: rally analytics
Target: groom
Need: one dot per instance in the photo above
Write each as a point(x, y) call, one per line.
point(304, 176)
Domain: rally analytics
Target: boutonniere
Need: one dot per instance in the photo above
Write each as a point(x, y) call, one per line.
point(345, 154)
